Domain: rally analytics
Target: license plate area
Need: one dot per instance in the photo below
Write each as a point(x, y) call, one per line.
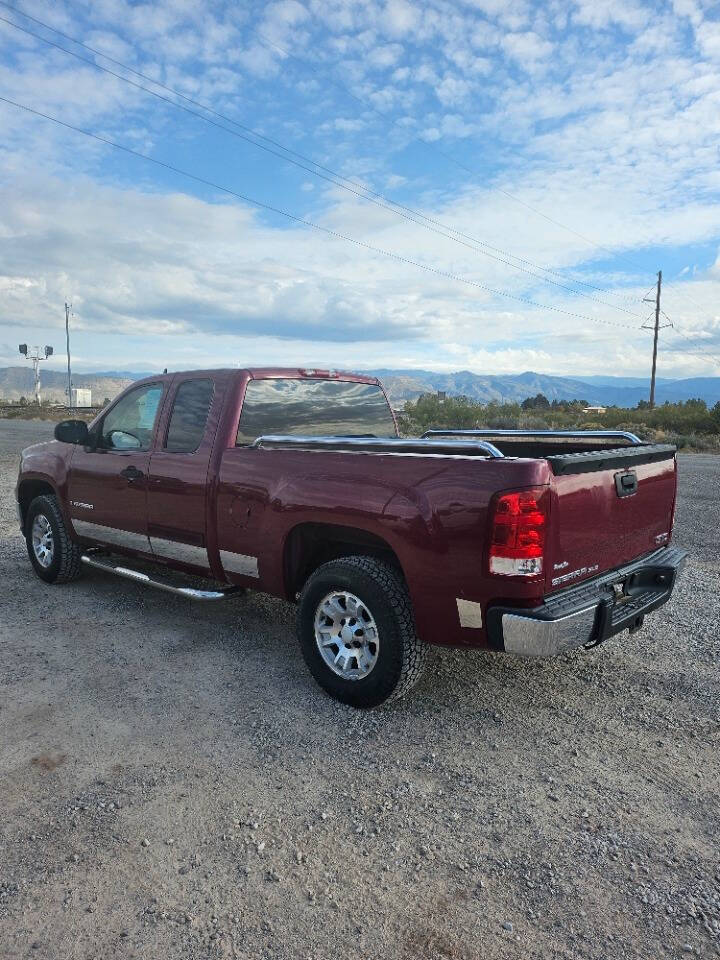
point(627, 600)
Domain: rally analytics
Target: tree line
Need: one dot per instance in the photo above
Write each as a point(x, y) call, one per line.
point(689, 423)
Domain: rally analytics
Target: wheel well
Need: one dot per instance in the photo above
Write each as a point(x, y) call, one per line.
point(28, 490)
point(309, 545)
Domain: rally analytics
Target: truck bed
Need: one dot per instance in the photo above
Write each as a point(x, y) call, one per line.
point(430, 499)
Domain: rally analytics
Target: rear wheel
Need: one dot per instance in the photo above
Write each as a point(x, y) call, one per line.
point(357, 631)
point(55, 556)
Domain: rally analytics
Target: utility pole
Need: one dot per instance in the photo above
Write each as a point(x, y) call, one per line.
point(67, 341)
point(657, 329)
point(655, 339)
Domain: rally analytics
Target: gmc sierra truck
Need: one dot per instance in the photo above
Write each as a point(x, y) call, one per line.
point(295, 482)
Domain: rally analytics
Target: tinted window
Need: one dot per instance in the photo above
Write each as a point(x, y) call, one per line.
point(131, 422)
point(314, 408)
point(189, 416)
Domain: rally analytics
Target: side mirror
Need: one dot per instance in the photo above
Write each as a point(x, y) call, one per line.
point(72, 431)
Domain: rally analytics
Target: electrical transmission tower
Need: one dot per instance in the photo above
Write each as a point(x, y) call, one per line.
point(36, 357)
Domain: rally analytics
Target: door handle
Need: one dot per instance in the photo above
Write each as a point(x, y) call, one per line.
point(132, 473)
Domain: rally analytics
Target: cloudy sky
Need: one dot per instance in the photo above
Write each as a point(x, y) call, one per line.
point(473, 185)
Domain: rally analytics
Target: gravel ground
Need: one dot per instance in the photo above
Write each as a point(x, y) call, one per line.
point(173, 784)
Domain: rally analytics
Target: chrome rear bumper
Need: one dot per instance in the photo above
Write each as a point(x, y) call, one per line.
point(529, 637)
point(589, 613)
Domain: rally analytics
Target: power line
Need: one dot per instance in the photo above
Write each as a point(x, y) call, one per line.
point(332, 173)
point(677, 330)
point(691, 299)
point(656, 331)
point(699, 353)
point(308, 223)
point(647, 294)
point(335, 178)
point(689, 339)
point(432, 146)
point(387, 203)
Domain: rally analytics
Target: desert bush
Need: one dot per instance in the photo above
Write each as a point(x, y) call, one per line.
point(690, 423)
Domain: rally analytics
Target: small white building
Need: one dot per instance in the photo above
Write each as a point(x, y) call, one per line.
point(594, 409)
point(81, 397)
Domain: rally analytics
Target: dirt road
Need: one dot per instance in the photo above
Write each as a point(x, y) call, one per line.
point(173, 784)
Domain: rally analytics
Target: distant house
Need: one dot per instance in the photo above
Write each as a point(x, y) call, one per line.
point(594, 409)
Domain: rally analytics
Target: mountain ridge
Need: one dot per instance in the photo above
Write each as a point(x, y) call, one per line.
point(408, 384)
point(404, 385)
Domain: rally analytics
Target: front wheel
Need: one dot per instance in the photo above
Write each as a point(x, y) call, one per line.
point(357, 631)
point(55, 556)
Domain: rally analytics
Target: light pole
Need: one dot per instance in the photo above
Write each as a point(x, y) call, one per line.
point(67, 340)
point(36, 357)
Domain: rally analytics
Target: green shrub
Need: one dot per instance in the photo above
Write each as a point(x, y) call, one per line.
point(690, 423)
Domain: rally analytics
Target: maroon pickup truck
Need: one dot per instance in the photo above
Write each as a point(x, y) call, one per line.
point(296, 482)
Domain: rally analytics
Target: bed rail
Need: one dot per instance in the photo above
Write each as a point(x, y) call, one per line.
point(539, 434)
point(417, 447)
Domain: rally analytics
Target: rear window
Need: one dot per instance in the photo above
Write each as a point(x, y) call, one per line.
point(314, 408)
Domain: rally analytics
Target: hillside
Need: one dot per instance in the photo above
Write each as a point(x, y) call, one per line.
point(403, 385)
point(16, 382)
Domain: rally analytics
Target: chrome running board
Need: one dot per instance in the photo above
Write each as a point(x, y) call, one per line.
point(190, 592)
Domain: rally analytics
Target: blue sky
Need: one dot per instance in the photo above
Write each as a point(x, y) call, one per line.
point(574, 142)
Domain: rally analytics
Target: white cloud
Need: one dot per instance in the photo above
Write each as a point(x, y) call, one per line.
point(395, 180)
point(259, 60)
point(612, 131)
point(384, 56)
point(526, 46)
point(708, 39)
point(453, 125)
point(452, 90)
point(146, 265)
point(399, 17)
point(605, 13)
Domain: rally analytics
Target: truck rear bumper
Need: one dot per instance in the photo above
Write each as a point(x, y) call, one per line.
point(589, 613)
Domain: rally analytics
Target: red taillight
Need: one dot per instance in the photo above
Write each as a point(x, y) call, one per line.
point(517, 532)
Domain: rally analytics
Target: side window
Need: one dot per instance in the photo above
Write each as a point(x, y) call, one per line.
point(130, 423)
point(189, 416)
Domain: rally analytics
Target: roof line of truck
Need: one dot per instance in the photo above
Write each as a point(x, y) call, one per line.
point(268, 373)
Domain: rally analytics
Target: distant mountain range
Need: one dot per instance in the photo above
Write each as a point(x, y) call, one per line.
point(404, 385)
point(16, 382)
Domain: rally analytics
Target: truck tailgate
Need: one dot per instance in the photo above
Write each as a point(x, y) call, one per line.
point(607, 509)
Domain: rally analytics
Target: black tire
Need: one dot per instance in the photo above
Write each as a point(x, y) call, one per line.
point(400, 652)
point(65, 564)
